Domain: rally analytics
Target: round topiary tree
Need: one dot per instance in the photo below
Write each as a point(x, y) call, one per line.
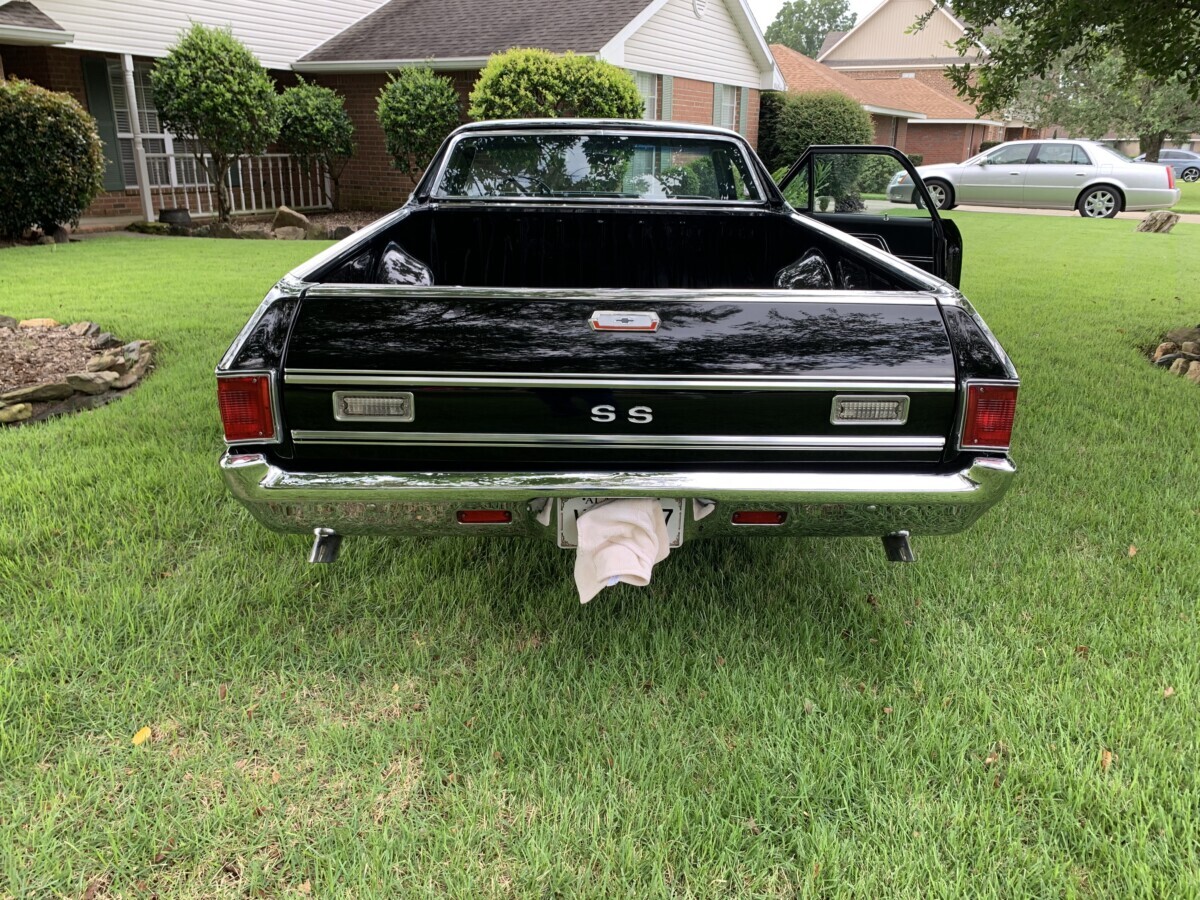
point(51, 159)
point(211, 90)
point(531, 84)
point(314, 126)
point(417, 109)
point(791, 123)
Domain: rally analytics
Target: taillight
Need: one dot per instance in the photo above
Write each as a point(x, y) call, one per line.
point(758, 517)
point(1170, 177)
point(245, 404)
point(484, 517)
point(989, 419)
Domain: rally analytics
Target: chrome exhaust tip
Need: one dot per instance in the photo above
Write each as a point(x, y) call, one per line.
point(327, 544)
point(897, 548)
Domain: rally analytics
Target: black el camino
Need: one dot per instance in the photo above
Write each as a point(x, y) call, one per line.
point(568, 310)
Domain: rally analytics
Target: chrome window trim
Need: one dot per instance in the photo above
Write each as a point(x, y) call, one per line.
point(586, 130)
point(318, 377)
point(403, 395)
point(903, 419)
point(669, 441)
point(962, 411)
point(276, 419)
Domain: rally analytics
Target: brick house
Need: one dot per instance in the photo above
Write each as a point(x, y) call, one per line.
point(699, 61)
point(883, 48)
point(694, 60)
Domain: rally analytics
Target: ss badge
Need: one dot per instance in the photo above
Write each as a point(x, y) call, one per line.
point(638, 415)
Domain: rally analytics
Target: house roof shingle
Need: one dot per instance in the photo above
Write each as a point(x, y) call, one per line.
point(23, 14)
point(805, 75)
point(910, 93)
point(830, 39)
point(474, 29)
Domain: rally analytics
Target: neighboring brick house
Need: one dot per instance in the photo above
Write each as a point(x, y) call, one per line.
point(694, 60)
point(699, 61)
point(884, 47)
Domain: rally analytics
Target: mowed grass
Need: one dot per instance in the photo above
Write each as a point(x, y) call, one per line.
point(1189, 200)
point(1013, 716)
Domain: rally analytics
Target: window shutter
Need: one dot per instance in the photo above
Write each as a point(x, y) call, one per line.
point(718, 89)
point(743, 111)
point(95, 82)
point(668, 96)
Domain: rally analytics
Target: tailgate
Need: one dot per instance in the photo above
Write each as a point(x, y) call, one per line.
point(491, 375)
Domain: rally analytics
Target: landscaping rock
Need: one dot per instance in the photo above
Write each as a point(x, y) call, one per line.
point(83, 329)
point(109, 362)
point(1191, 347)
point(103, 341)
point(222, 230)
point(200, 231)
point(1180, 366)
point(255, 233)
point(91, 382)
point(1183, 335)
point(342, 232)
point(61, 235)
point(1165, 361)
point(289, 218)
point(46, 240)
point(8, 322)
point(18, 413)
point(179, 217)
point(130, 378)
point(1163, 349)
point(37, 323)
point(1160, 221)
point(1193, 372)
point(159, 228)
point(291, 233)
point(51, 390)
point(179, 231)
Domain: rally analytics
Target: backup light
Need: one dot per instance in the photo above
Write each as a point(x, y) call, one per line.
point(245, 405)
point(373, 406)
point(887, 409)
point(988, 423)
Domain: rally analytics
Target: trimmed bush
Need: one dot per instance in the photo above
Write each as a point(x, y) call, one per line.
point(875, 173)
point(791, 123)
point(210, 89)
point(916, 158)
point(51, 159)
point(417, 109)
point(534, 84)
point(314, 126)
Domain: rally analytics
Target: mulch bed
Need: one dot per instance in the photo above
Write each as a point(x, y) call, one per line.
point(37, 355)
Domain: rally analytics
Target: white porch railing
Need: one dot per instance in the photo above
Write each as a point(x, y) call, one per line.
point(256, 184)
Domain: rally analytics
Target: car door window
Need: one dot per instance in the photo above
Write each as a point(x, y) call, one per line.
point(1061, 155)
point(1009, 156)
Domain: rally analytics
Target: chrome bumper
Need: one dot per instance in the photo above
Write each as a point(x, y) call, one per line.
point(817, 503)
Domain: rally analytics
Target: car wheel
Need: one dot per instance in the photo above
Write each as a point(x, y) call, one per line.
point(941, 194)
point(1101, 202)
point(1192, 174)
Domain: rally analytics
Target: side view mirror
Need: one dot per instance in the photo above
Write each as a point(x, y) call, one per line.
point(983, 162)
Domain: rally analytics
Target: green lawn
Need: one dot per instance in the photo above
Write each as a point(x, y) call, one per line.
point(768, 718)
point(1190, 201)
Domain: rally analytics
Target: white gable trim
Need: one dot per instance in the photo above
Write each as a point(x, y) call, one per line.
point(22, 34)
point(863, 21)
point(770, 76)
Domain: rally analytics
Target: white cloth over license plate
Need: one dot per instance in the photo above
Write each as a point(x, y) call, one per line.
point(570, 510)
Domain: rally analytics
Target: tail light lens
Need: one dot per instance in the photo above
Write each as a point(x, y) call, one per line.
point(1170, 177)
point(484, 516)
point(989, 419)
point(759, 517)
point(245, 403)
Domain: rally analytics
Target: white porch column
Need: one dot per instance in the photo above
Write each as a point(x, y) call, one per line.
point(139, 150)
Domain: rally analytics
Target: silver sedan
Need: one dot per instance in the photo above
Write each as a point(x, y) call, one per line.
point(1186, 163)
point(1083, 175)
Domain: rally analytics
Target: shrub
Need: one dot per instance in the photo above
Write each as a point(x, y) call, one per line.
point(211, 90)
point(988, 145)
point(417, 109)
point(530, 84)
point(915, 158)
point(791, 123)
point(51, 158)
point(876, 172)
point(314, 126)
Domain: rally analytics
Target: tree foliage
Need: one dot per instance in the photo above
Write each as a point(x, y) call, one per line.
point(791, 123)
point(314, 126)
point(1108, 95)
point(531, 84)
point(1157, 37)
point(51, 158)
point(803, 24)
point(417, 109)
point(211, 90)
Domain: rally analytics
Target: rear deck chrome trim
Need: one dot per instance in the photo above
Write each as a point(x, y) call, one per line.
point(645, 441)
point(365, 377)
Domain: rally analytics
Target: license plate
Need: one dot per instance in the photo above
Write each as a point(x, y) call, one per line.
point(569, 512)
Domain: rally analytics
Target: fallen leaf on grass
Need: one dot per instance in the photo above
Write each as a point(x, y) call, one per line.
point(1168, 691)
point(1132, 551)
point(95, 887)
point(250, 711)
point(887, 710)
point(222, 690)
point(143, 735)
point(1106, 760)
point(1082, 651)
point(305, 887)
point(274, 777)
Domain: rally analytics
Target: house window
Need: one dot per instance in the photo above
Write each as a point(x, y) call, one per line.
point(727, 105)
point(650, 87)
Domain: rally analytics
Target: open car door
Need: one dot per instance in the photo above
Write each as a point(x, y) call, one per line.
point(873, 193)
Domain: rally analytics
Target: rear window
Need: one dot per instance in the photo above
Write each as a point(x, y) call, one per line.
point(558, 166)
